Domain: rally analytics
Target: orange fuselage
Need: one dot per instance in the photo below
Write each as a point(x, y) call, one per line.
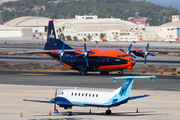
point(101, 60)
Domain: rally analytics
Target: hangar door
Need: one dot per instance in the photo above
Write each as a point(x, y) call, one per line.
point(27, 32)
point(178, 32)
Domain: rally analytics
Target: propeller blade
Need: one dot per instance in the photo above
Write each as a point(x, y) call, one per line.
point(132, 56)
point(152, 54)
point(145, 59)
point(147, 47)
point(79, 55)
point(84, 47)
point(54, 107)
point(87, 61)
point(129, 48)
point(91, 53)
point(56, 92)
point(56, 53)
point(63, 48)
point(122, 50)
point(61, 60)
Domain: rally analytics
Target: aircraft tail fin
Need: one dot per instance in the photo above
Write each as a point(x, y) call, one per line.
point(127, 84)
point(103, 39)
point(53, 42)
point(177, 39)
point(141, 38)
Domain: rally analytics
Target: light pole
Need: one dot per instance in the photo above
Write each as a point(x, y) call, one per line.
point(37, 20)
point(1, 17)
point(136, 13)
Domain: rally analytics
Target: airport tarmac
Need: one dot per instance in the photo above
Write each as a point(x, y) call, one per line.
point(91, 80)
point(163, 102)
point(160, 105)
point(152, 44)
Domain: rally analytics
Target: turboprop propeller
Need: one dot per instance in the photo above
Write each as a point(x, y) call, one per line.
point(128, 51)
point(146, 53)
point(85, 54)
point(55, 110)
point(61, 54)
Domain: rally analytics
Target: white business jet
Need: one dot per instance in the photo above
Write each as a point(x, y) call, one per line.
point(73, 97)
point(135, 40)
point(171, 40)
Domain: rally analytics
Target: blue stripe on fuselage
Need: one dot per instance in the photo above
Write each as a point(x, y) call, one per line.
point(86, 104)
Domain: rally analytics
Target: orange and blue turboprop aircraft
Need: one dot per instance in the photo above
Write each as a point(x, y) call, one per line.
point(103, 60)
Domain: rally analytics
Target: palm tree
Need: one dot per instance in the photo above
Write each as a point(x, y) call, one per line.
point(75, 38)
point(63, 28)
point(68, 38)
point(101, 36)
point(89, 37)
point(59, 30)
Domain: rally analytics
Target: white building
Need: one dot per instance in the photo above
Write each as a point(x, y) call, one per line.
point(113, 29)
point(30, 24)
point(169, 30)
point(6, 31)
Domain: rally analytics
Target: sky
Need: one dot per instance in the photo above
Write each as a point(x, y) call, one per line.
point(166, 3)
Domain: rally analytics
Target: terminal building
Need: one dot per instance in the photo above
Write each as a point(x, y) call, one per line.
point(169, 30)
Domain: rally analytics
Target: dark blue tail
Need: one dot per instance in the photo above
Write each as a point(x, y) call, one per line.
point(53, 43)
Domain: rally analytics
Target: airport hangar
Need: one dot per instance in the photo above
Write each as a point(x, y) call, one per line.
point(114, 29)
point(29, 24)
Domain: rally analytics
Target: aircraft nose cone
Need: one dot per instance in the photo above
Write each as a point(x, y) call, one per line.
point(133, 62)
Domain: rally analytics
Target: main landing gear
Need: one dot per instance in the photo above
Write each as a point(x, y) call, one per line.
point(69, 112)
point(120, 73)
point(108, 112)
point(83, 71)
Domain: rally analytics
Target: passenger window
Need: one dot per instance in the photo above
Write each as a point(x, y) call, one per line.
point(72, 94)
point(89, 95)
point(79, 94)
point(93, 95)
point(83, 94)
point(96, 95)
point(75, 94)
point(86, 94)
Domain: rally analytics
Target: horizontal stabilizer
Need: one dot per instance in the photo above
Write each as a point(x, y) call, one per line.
point(137, 97)
point(132, 77)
